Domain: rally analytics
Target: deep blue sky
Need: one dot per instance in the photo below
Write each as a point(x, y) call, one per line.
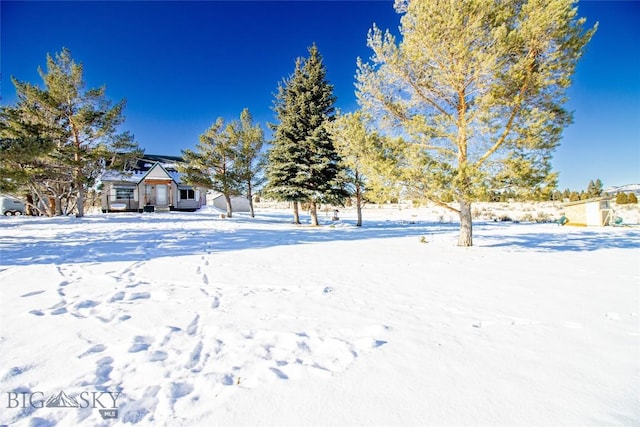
point(180, 65)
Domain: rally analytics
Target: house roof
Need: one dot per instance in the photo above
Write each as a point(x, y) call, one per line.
point(159, 165)
point(143, 167)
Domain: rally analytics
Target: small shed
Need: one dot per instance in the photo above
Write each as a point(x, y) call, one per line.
point(592, 212)
point(217, 200)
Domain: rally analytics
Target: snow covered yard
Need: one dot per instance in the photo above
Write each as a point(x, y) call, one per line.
point(199, 321)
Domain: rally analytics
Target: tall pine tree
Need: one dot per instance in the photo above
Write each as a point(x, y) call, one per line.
point(211, 165)
point(304, 165)
point(285, 158)
point(479, 87)
point(80, 124)
point(247, 140)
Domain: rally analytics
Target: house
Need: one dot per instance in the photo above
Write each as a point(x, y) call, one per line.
point(592, 212)
point(153, 185)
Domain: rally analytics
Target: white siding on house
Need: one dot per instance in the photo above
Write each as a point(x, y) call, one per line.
point(157, 173)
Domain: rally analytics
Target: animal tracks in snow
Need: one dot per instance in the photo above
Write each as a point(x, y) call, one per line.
point(30, 294)
point(193, 326)
point(98, 348)
point(188, 341)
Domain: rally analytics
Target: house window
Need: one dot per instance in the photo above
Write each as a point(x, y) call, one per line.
point(187, 195)
point(124, 193)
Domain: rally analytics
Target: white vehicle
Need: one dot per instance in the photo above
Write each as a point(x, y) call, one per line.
point(9, 205)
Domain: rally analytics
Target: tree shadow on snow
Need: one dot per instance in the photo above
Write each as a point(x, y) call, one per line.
point(566, 239)
point(120, 237)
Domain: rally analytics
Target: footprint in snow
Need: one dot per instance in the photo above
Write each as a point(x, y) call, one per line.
point(140, 343)
point(103, 370)
point(193, 326)
point(139, 295)
point(58, 305)
point(167, 337)
point(279, 373)
point(119, 296)
point(194, 357)
point(215, 303)
point(86, 304)
point(98, 348)
point(612, 316)
point(158, 356)
point(15, 371)
point(179, 390)
point(30, 294)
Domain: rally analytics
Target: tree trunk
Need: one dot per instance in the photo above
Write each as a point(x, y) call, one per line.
point(80, 202)
point(466, 232)
point(296, 214)
point(227, 198)
point(313, 210)
point(78, 174)
point(359, 205)
point(57, 205)
point(29, 208)
point(251, 211)
point(250, 197)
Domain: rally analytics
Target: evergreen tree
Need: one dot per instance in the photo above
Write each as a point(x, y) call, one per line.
point(479, 86)
point(303, 163)
point(591, 188)
point(81, 124)
point(285, 158)
point(622, 198)
point(248, 140)
point(594, 188)
point(23, 145)
point(371, 160)
point(598, 187)
point(211, 165)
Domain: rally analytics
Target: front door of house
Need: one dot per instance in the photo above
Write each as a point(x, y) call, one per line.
point(161, 195)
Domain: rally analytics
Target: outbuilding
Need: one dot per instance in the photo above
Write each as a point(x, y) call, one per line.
point(217, 200)
point(592, 212)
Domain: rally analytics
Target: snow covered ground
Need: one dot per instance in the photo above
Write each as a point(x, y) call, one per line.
point(187, 319)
